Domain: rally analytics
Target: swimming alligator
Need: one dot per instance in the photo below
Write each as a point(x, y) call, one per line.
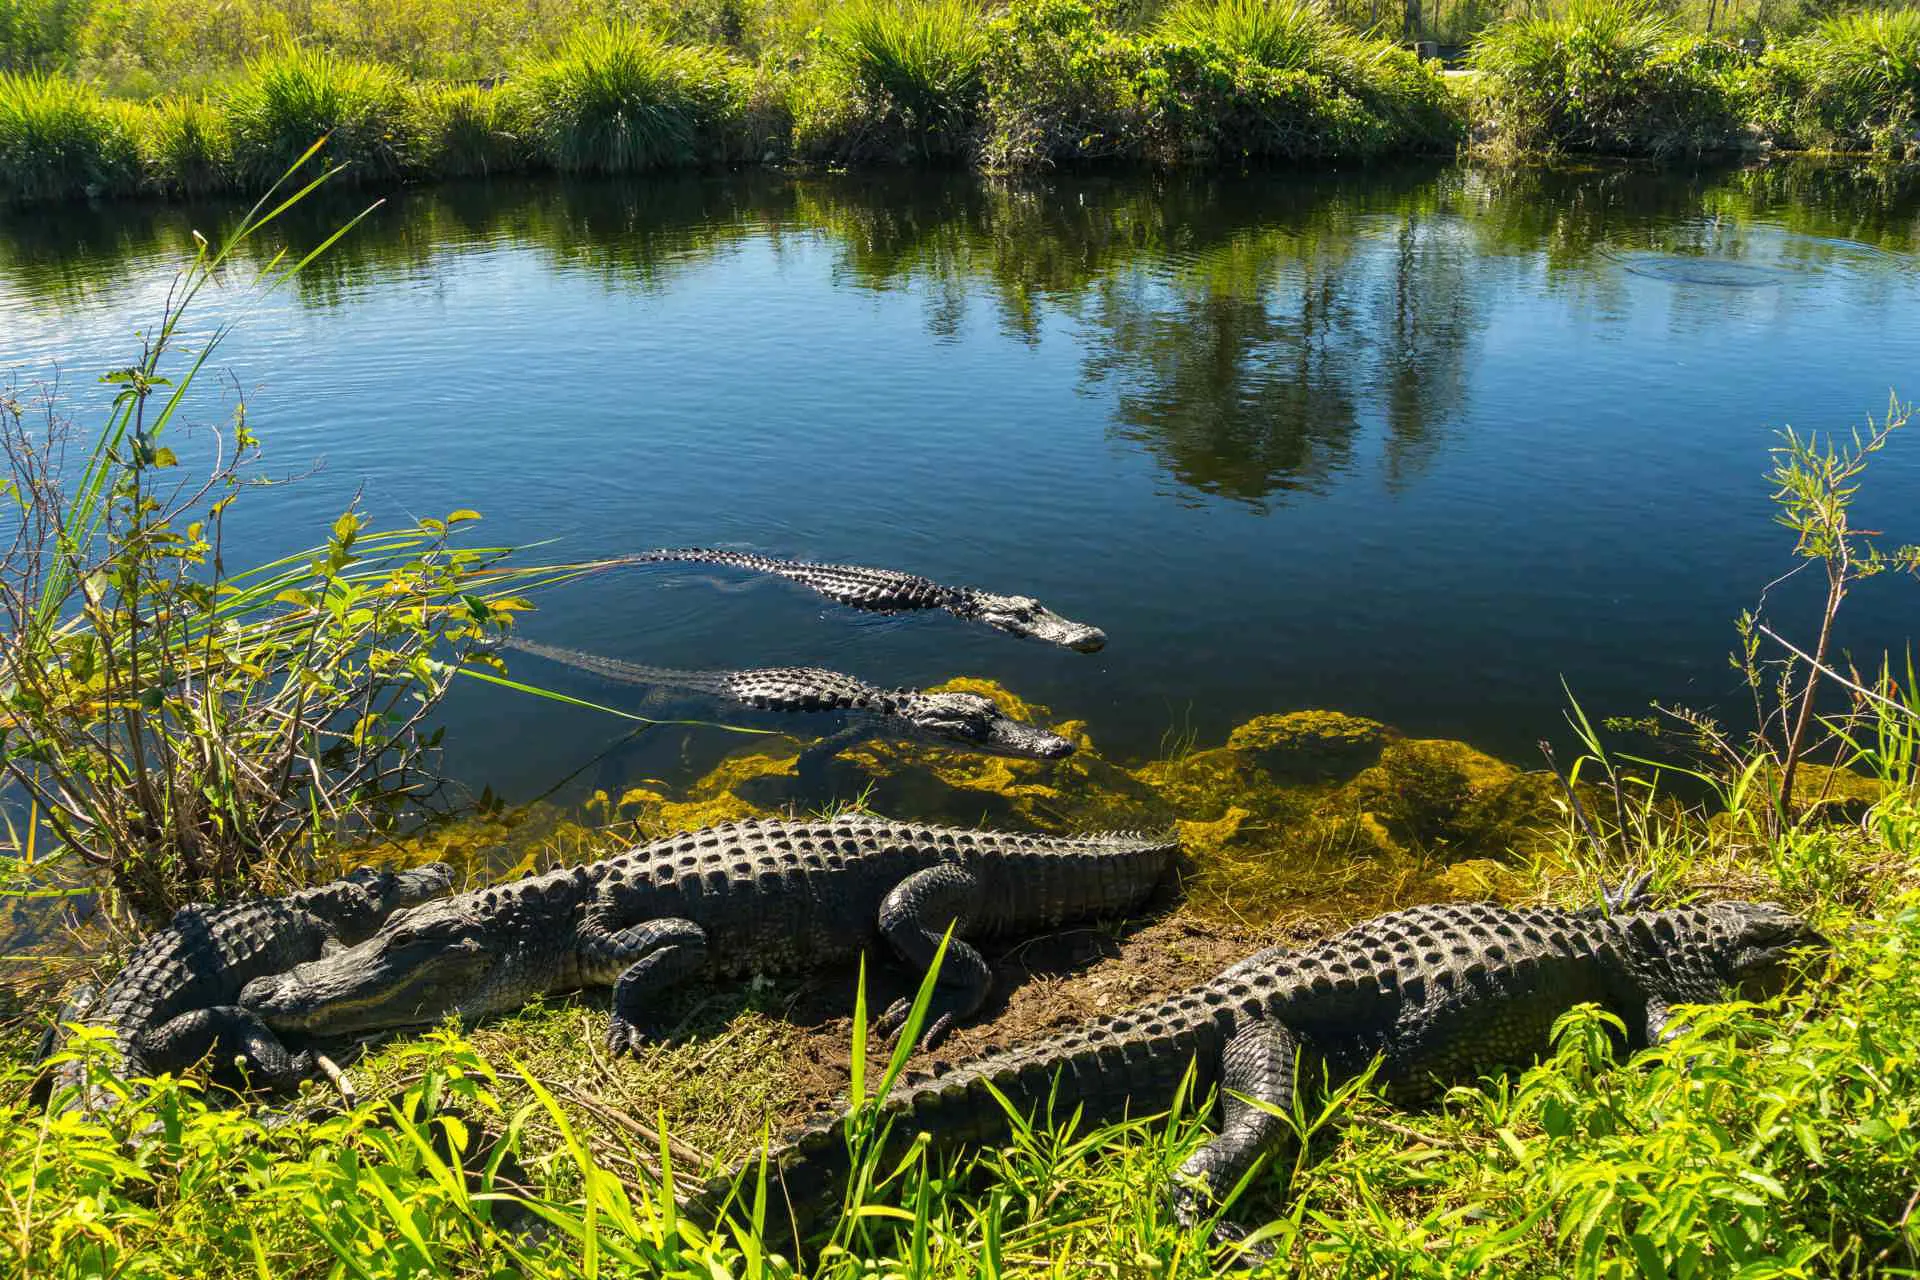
point(762, 896)
point(175, 1000)
point(891, 591)
point(1436, 995)
point(953, 719)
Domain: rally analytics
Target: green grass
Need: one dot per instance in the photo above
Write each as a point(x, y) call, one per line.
point(1853, 83)
point(288, 101)
point(59, 140)
point(1767, 1140)
point(616, 99)
point(921, 58)
point(465, 131)
point(1291, 35)
point(1607, 77)
point(1026, 85)
point(185, 146)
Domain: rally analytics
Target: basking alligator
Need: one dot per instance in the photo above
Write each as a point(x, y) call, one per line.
point(891, 591)
point(955, 719)
point(761, 896)
point(176, 998)
point(1437, 994)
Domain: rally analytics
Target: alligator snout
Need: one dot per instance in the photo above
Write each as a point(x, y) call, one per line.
point(266, 993)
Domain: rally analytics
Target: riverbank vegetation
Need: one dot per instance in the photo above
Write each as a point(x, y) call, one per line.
point(179, 724)
point(166, 97)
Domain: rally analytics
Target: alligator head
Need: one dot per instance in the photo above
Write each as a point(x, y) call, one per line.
point(392, 890)
point(974, 720)
point(1755, 944)
point(1025, 616)
point(437, 959)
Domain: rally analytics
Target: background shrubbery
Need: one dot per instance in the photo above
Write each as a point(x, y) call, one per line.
point(407, 89)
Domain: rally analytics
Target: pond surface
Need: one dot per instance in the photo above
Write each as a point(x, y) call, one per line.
point(1416, 445)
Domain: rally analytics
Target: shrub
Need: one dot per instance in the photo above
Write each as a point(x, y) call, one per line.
point(1605, 77)
point(1291, 35)
point(1235, 78)
point(1853, 84)
point(38, 34)
point(922, 59)
point(618, 100)
point(60, 140)
point(185, 147)
point(1059, 86)
point(464, 132)
point(287, 102)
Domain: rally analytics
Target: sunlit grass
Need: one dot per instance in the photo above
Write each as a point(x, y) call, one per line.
point(286, 102)
point(923, 56)
point(59, 140)
point(616, 99)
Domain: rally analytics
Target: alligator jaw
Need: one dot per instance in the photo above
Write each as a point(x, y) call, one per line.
point(1025, 616)
point(976, 721)
point(425, 965)
point(1010, 737)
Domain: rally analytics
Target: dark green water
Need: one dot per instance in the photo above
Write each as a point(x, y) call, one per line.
point(1415, 445)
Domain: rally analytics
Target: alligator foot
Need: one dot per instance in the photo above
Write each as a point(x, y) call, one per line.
point(943, 1011)
point(924, 910)
point(1258, 1071)
point(232, 1035)
point(653, 957)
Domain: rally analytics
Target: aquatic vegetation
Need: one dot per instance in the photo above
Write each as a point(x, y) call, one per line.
point(1311, 743)
point(185, 147)
point(465, 132)
point(916, 64)
point(615, 99)
point(1606, 77)
point(1850, 83)
point(288, 101)
point(59, 140)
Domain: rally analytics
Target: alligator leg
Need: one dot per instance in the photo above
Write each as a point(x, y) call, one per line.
point(810, 770)
point(239, 1037)
point(649, 957)
point(1260, 1063)
point(914, 917)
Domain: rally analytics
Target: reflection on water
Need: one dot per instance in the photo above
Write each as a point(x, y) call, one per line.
point(1410, 443)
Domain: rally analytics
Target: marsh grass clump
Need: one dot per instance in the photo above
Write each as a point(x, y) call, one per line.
point(465, 131)
point(922, 61)
point(286, 102)
point(1605, 77)
point(617, 99)
point(1246, 79)
point(1059, 87)
point(1286, 35)
point(1853, 83)
point(186, 148)
point(60, 140)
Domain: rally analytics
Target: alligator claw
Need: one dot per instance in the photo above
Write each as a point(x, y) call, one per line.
point(622, 1037)
point(895, 1018)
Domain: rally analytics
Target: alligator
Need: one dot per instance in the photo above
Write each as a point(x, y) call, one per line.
point(1434, 995)
point(891, 591)
point(954, 719)
point(174, 1001)
point(761, 896)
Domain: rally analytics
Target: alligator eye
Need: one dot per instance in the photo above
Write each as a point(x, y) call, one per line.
point(403, 938)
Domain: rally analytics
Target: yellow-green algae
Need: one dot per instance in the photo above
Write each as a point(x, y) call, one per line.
point(1294, 806)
